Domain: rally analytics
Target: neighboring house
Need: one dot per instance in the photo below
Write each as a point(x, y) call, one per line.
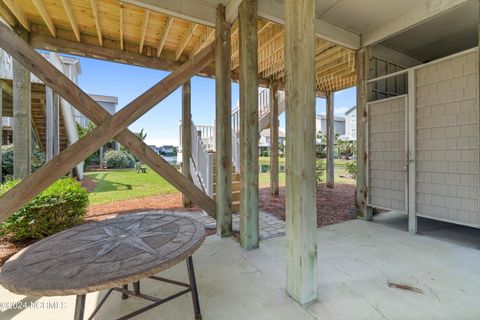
point(339, 124)
point(167, 150)
point(264, 141)
point(351, 124)
point(109, 103)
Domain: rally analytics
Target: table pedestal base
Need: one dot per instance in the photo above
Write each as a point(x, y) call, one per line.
point(190, 287)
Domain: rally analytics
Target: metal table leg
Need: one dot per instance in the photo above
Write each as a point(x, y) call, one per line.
point(193, 287)
point(136, 287)
point(79, 307)
point(124, 295)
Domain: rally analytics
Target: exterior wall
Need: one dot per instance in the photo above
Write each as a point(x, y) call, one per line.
point(339, 123)
point(387, 156)
point(447, 140)
point(351, 124)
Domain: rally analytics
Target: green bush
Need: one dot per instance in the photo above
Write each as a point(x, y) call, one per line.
point(118, 159)
point(38, 159)
point(319, 170)
point(60, 206)
point(351, 169)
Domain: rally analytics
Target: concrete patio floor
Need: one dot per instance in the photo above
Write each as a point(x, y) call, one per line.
point(357, 260)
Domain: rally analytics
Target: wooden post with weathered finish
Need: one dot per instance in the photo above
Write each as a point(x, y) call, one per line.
point(301, 212)
point(1, 133)
point(22, 118)
point(362, 65)
point(186, 136)
point(274, 138)
point(52, 115)
point(330, 166)
point(247, 22)
point(223, 127)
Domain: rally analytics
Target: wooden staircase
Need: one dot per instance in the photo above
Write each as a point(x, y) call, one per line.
point(235, 185)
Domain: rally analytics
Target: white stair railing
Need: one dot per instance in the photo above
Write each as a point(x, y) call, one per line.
point(201, 163)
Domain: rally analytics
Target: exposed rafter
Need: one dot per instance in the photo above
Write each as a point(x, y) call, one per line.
point(18, 13)
point(144, 30)
point(45, 16)
point(97, 21)
point(6, 15)
point(121, 26)
point(164, 35)
point(68, 9)
point(188, 35)
point(205, 39)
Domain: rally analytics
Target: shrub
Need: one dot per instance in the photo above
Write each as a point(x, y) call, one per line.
point(60, 206)
point(38, 159)
point(351, 169)
point(118, 159)
point(319, 170)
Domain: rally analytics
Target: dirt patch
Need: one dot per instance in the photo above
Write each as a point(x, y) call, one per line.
point(333, 205)
point(170, 201)
point(8, 249)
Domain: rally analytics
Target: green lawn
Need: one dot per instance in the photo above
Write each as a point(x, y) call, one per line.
point(264, 178)
point(114, 185)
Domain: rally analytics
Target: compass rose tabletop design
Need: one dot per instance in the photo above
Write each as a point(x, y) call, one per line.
point(100, 255)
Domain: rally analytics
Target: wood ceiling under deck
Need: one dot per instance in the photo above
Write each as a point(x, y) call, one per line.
point(115, 25)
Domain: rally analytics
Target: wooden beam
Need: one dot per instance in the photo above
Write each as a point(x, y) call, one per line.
point(249, 223)
point(164, 35)
point(223, 118)
point(45, 16)
point(144, 30)
point(362, 67)
point(186, 135)
point(121, 26)
point(93, 3)
point(103, 53)
point(206, 39)
point(18, 13)
point(71, 18)
point(274, 185)
point(188, 35)
point(108, 126)
point(330, 165)
point(7, 15)
point(301, 209)
point(22, 118)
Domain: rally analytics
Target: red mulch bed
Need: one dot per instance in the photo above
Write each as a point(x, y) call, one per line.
point(333, 205)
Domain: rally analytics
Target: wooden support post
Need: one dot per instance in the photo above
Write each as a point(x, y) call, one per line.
point(330, 167)
point(249, 224)
point(301, 211)
point(100, 156)
point(186, 136)
point(1, 132)
point(362, 69)
point(108, 126)
point(223, 126)
point(52, 111)
point(274, 138)
point(22, 118)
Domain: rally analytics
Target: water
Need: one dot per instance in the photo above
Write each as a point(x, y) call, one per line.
point(171, 159)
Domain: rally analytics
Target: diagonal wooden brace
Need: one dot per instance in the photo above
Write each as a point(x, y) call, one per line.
point(109, 127)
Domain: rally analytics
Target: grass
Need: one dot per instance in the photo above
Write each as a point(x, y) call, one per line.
point(264, 178)
point(123, 184)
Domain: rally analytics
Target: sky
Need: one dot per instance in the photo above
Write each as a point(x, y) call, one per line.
point(162, 122)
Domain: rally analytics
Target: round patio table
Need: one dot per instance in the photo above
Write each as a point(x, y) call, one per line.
point(109, 254)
